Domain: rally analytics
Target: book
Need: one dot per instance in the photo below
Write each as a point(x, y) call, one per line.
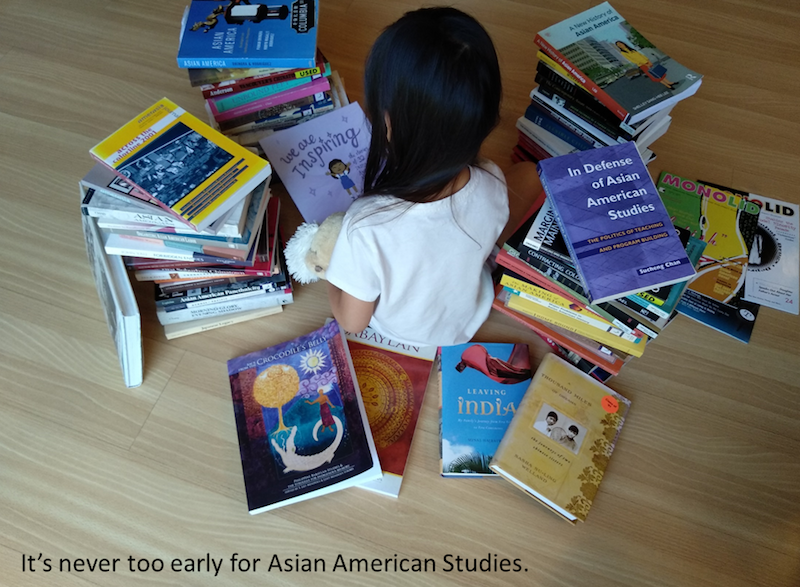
point(193, 171)
point(392, 378)
point(238, 34)
point(772, 277)
point(619, 233)
point(301, 423)
point(180, 329)
point(242, 80)
point(321, 162)
point(227, 305)
point(118, 302)
point(727, 223)
point(211, 294)
point(627, 73)
point(481, 386)
point(557, 447)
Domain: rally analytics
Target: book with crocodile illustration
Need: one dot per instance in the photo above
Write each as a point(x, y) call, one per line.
point(302, 427)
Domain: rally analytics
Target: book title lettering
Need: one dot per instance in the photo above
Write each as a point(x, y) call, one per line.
point(705, 191)
point(590, 24)
point(284, 353)
point(224, 41)
point(313, 148)
point(485, 408)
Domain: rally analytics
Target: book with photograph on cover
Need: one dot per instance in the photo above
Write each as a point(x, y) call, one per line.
point(481, 386)
point(559, 443)
point(393, 378)
point(302, 427)
point(191, 170)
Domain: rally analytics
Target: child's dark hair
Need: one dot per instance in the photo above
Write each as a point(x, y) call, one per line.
point(434, 74)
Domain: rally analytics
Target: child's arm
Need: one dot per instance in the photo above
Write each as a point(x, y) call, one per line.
point(351, 313)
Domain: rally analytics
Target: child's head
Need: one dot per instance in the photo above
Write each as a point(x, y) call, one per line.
point(432, 86)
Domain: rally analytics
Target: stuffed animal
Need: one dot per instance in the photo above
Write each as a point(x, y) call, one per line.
point(308, 252)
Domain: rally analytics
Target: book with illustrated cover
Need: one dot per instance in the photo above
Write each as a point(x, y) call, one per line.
point(727, 223)
point(118, 301)
point(302, 427)
point(238, 34)
point(393, 378)
point(321, 162)
point(193, 171)
point(619, 234)
point(481, 386)
point(627, 73)
point(558, 445)
point(773, 268)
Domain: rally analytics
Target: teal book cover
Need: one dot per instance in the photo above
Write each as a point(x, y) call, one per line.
point(481, 387)
point(242, 34)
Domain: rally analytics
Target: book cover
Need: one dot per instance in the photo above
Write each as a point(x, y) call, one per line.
point(558, 445)
point(238, 34)
point(392, 378)
point(302, 427)
point(481, 386)
point(118, 302)
point(727, 223)
point(627, 73)
point(620, 236)
point(193, 171)
point(321, 162)
point(773, 267)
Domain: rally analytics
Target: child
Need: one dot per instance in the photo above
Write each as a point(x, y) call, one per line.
point(411, 257)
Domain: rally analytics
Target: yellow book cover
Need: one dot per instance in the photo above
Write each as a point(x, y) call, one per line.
point(191, 170)
point(565, 319)
point(561, 438)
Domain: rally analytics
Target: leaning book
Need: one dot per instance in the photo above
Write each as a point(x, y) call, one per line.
point(559, 443)
point(118, 301)
point(393, 377)
point(481, 387)
point(189, 169)
point(236, 34)
point(618, 231)
point(302, 427)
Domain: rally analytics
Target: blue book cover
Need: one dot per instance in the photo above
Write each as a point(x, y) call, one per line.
point(302, 427)
point(245, 34)
point(619, 233)
point(481, 387)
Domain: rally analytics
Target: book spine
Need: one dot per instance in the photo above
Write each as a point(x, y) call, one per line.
point(540, 117)
point(167, 300)
point(174, 305)
point(574, 124)
point(221, 243)
point(587, 83)
point(264, 118)
point(224, 307)
point(201, 325)
point(241, 99)
point(532, 146)
point(249, 83)
point(221, 62)
point(303, 90)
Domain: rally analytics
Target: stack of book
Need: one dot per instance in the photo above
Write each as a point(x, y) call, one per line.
point(191, 210)
point(597, 267)
point(600, 83)
point(257, 66)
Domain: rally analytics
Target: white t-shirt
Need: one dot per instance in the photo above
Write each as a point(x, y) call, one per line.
point(425, 264)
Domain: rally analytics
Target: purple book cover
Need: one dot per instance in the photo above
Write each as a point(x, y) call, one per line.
point(321, 162)
point(302, 426)
point(618, 231)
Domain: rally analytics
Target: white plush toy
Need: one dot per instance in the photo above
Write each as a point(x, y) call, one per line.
point(308, 252)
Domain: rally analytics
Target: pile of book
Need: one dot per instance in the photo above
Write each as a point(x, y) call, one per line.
point(258, 67)
point(190, 210)
point(597, 267)
point(600, 83)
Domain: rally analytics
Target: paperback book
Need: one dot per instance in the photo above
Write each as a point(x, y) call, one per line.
point(118, 302)
point(727, 224)
point(302, 427)
point(238, 34)
point(191, 170)
point(619, 234)
point(558, 445)
point(393, 378)
point(321, 162)
point(481, 387)
point(627, 73)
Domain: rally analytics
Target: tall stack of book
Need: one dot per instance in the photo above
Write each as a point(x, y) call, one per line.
point(257, 66)
point(597, 267)
point(600, 83)
point(191, 210)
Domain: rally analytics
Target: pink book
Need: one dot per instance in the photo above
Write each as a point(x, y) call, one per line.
point(302, 91)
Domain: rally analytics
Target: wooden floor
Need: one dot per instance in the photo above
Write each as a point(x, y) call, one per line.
point(703, 489)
